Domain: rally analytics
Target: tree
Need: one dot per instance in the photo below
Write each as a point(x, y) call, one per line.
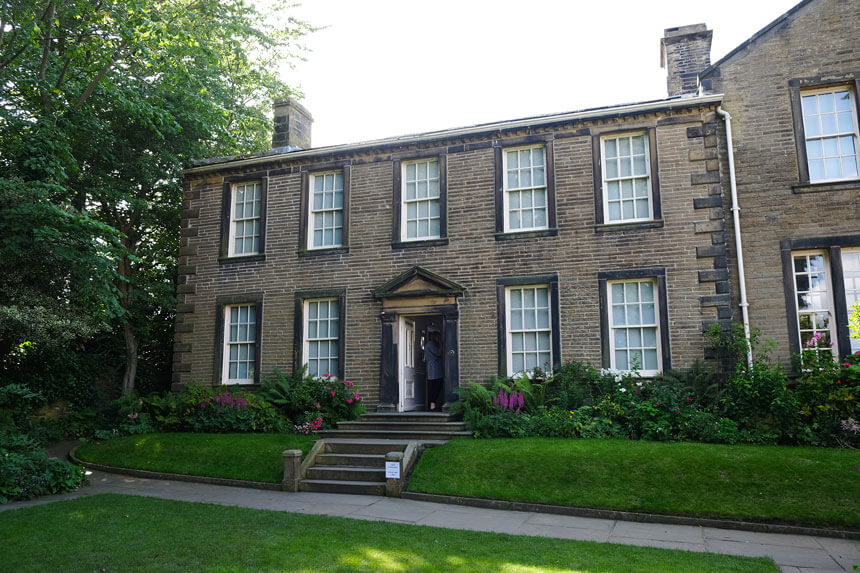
point(104, 102)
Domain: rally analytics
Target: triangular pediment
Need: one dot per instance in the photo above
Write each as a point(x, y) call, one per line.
point(418, 281)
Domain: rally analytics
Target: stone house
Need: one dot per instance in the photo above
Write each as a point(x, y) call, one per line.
point(599, 235)
point(791, 90)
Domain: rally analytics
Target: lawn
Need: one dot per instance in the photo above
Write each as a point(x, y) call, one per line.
point(126, 533)
point(255, 457)
point(814, 486)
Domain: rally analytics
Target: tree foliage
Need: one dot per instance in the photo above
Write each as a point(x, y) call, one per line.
point(102, 104)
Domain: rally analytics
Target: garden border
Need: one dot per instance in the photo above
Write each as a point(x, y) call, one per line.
point(176, 477)
point(754, 526)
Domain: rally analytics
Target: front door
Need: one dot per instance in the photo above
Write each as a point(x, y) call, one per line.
point(410, 396)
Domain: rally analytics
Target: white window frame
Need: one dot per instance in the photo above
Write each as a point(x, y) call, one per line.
point(510, 332)
point(853, 133)
point(250, 342)
point(507, 190)
point(236, 221)
point(647, 176)
point(851, 286)
point(405, 201)
point(827, 297)
point(342, 209)
point(611, 303)
point(333, 335)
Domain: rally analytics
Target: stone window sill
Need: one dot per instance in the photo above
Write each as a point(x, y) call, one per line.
point(826, 186)
point(242, 259)
point(617, 227)
point(320, 252)
point(511, 235)
point(420, 244)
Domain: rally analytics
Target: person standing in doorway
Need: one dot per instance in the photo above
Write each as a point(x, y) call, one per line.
point(435, 373)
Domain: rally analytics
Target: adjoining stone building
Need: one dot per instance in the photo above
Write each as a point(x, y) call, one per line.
point(596, 235)
point(792, 93)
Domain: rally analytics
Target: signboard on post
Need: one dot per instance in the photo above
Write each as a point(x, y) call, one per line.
point(392, 470)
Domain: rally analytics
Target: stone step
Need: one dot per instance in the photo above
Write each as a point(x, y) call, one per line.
point(346, 473)
point(408, 417)
point(336, 486)
point(361, 460)
point(403, 426)
point(341, 445)
point(420, 436)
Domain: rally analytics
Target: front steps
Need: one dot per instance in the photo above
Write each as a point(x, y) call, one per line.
point(352, 457)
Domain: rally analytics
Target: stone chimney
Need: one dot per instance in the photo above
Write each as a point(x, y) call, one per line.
point(685, 51)
point(292, 125)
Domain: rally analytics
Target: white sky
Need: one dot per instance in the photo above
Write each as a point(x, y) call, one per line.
point(383, 68)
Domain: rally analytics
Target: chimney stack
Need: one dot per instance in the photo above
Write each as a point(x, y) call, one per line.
point(685, 51)
point(292, 125)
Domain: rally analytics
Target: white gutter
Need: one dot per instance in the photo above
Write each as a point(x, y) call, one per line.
point(461, 132)
point(737, 224)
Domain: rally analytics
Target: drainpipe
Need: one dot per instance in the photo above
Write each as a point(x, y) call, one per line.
point(737, 224)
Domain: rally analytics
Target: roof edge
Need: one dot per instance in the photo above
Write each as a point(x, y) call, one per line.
point(269, 156)
point(710, 69)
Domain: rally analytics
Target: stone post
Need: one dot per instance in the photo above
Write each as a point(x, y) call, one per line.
point(292, 470)
point(393, 486)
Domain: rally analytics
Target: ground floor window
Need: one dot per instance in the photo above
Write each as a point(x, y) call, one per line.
point(529, 329)
point(240, 344)
point(634, 326)
point(826, 286)
point(322, 336)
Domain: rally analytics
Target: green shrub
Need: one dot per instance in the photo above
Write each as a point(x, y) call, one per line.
point(234, 412)
point(26, 471)
point(312, 402)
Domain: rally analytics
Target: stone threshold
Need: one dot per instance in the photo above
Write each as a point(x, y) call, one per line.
point(754, 526)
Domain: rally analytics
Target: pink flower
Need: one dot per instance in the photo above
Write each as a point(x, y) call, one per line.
point(349, 400)
point(846, 365)
point(318, 405)
point(332, 392)
point(354, 395)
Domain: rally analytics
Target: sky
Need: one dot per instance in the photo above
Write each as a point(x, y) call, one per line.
point(384, 68)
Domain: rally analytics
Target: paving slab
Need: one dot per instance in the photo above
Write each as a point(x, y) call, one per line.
point(395, 509)
point(713, 533)
point(480, 520)
point(574, 533)
point(782, 555)
point(554, 520)
point(659, 531)
point(659, 543)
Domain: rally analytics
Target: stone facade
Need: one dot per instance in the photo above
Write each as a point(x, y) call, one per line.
point(470, 266)
point(813, 46)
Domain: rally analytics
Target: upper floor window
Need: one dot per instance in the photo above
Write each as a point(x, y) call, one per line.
point(421, 201)
point(626, 175)
point(525, 189)
point(326, 210)
point(246, 206)
point(830, 132)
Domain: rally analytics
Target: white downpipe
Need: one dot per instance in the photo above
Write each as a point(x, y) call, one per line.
point(737, 224)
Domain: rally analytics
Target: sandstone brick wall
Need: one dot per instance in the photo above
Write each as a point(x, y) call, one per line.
point(818, 45)
point(690, 245)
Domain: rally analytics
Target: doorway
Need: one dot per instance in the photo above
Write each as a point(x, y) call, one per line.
point(414, 334)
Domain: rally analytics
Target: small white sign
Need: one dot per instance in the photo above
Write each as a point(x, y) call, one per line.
point(392, 470)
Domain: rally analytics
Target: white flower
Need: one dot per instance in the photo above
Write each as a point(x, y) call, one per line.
point(624, 389)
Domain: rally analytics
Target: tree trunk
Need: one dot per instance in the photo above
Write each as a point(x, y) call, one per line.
point(128, 377)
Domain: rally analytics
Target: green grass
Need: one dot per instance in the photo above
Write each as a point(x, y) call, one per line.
point(814, 486)
point(126, 533)
point(255, 457)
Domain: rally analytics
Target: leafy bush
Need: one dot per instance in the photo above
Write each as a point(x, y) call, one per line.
point(228, 412)
point(26, 471)
point(303, 398)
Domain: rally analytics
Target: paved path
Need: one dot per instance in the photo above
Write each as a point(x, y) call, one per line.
point(793, 553)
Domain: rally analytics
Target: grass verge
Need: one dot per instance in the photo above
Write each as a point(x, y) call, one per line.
point(113, 532)
point(255, 457)
point(812, 486)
